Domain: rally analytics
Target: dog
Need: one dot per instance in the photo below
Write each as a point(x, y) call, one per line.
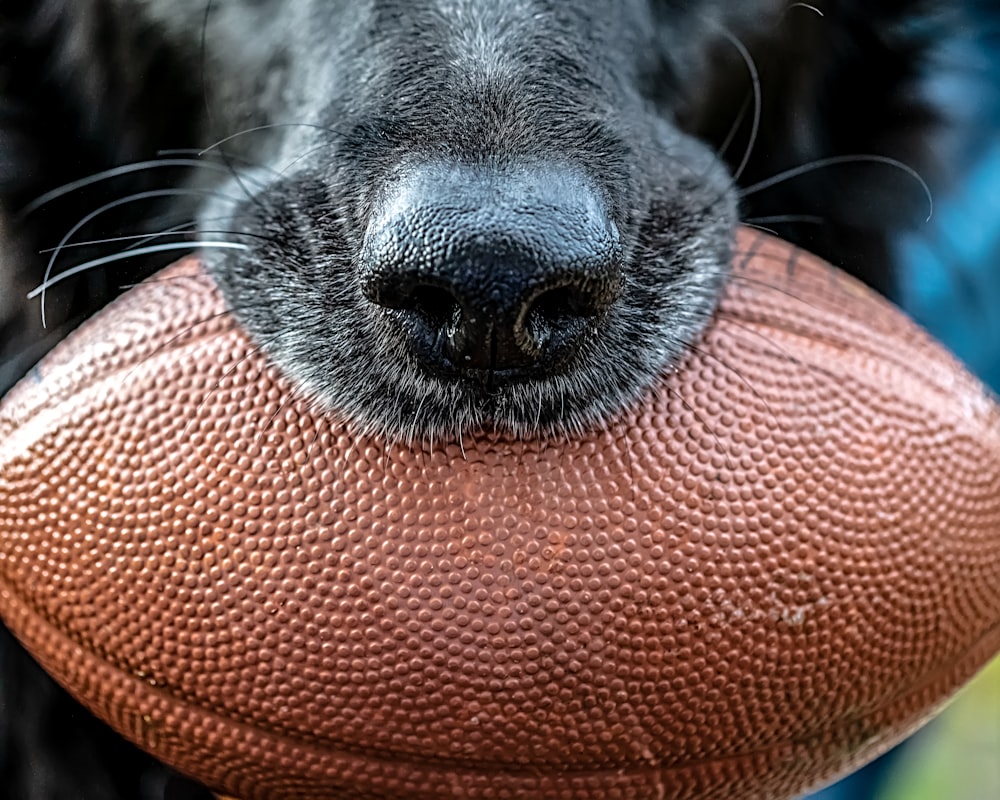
point(436, 216)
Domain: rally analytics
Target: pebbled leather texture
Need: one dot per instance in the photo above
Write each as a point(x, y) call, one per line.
point(778, 564)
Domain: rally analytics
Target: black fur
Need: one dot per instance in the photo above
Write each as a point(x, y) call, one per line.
point(642, 97)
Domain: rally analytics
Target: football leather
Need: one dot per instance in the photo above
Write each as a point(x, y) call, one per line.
point(780, 562)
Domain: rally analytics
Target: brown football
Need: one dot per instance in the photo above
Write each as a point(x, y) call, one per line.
point(779, 563)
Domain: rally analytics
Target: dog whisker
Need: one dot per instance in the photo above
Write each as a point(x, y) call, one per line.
point(259, 128)
point(230, 157)
point(835, 161)
point(757, 100)
point(143, 251)
point(177, 230)
point(806, 6)
point(148, 195)
point(775, 219)
point(115, 172)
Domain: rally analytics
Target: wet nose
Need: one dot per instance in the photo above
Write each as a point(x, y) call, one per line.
point(505, 273)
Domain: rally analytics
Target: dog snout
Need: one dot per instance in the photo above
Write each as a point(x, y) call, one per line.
point(492, 273)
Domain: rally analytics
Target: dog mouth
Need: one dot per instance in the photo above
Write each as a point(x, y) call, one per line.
point(475, 298)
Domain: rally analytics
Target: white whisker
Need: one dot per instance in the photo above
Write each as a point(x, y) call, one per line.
point(225, 164)
point(107, 207)
point(806, 6)
point(259, 128)
point(834, 161)
point(175, 231)
point(757, 100)
point(115, 172)
point(776, 219)
point(142, 251)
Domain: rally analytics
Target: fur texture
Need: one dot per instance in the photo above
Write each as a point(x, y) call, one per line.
point(678, 114)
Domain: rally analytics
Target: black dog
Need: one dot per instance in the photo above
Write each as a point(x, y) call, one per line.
point(435, 215)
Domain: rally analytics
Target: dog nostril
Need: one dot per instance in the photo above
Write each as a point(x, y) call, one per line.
point(434, 306)
point(560, 313)
point(437, 306)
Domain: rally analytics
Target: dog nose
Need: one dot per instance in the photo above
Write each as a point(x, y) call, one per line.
point(488, 272)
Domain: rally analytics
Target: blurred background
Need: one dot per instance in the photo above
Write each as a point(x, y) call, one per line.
point(952, 287)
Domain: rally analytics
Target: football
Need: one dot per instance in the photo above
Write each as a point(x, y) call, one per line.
point(780, 562)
